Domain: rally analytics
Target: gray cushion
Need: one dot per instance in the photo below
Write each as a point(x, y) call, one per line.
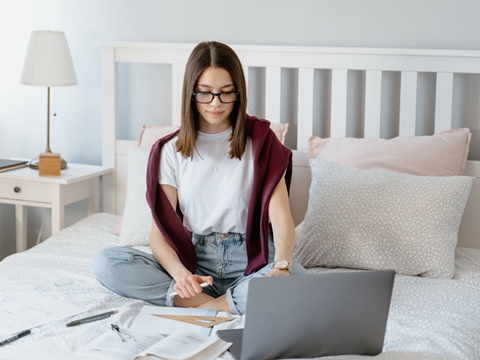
point(366, 219)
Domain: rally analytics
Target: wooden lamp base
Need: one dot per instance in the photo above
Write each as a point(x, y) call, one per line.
point(49, 164)
point(33, 163)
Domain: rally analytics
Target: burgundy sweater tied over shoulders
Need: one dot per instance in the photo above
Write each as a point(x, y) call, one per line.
point(272, 160)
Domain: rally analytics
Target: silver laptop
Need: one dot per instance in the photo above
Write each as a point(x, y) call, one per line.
point(307, 316)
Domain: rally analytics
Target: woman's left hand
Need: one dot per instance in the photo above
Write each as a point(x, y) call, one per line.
point(278, 272)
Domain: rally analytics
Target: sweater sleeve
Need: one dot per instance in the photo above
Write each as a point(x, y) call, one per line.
point(272, 161)
point(168, 220)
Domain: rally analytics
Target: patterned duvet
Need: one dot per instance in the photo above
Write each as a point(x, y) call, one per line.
point(429, 318)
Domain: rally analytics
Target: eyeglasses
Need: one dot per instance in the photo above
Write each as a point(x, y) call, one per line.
point(207, 97)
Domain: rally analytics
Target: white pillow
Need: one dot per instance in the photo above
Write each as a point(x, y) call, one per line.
point(137, 217)
point(150, 134)
point(368, 219)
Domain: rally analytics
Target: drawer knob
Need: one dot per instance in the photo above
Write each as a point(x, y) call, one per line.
point(17, 189)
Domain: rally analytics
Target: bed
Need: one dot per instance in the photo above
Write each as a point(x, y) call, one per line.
point(435, 309)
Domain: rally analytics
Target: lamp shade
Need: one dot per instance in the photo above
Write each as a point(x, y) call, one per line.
point(48, 61)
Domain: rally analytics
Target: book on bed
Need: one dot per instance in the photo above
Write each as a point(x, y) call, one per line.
point(180, 345)
point(186, 345)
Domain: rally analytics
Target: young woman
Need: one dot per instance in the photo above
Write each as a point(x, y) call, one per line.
point(218, 190)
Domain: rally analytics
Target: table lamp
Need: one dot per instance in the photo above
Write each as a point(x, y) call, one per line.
point(48, 63)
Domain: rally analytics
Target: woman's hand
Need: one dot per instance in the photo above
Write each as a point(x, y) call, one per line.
point(189, 286)
point(278, 272)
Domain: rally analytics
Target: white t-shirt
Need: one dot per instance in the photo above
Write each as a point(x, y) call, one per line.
point(213, 189)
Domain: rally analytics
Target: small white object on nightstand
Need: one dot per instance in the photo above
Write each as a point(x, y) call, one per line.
point(24, 187)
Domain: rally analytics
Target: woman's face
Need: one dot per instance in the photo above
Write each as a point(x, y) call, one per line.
point(214, 117)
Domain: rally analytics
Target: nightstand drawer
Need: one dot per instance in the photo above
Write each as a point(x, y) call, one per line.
point(25, 190)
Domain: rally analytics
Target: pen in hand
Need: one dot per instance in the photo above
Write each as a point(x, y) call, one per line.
point(15, 337)
point(205, 284)
point(92, 318)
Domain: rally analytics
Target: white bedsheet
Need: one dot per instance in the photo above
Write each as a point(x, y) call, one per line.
point(436, 318)
point(429, 318)
point(66, 260)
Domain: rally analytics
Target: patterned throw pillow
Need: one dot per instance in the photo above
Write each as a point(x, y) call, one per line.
point(368, 219)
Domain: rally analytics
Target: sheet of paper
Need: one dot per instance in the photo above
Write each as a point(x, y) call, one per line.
point(146, 322)
point(24, 307)
point(109, 346)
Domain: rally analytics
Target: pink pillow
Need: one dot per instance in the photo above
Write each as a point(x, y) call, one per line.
point(150, 134)
point(442, 154)
point(280, 130)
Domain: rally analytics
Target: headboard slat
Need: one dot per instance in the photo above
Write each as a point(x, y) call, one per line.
point(109, 125)
point(338, 120)
point(305, 107)
point(443, 102)
point(246, 73)
point(273, 93)
point(178, 71)
point(373, 103)
point(408, 103)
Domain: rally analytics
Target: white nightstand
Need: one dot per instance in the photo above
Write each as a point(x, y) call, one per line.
point(23, 187)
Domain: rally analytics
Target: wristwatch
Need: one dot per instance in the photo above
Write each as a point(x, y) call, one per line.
point(281, 265)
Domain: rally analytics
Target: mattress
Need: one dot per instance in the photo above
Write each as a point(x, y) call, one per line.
point(429, 318)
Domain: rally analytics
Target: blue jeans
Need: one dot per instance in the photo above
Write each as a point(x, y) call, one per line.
point(138, 275)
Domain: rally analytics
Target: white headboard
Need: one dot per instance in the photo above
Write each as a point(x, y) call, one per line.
point(306, 63)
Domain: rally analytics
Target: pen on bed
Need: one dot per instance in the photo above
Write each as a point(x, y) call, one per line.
point(92, 318)
point(15, 337)
point(205, 284)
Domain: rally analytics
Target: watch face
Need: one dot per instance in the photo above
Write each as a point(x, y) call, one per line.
point(281, 264)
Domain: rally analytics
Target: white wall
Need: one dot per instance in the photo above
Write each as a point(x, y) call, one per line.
point(75, 132)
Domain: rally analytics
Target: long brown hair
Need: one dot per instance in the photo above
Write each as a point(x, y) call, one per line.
point(218, 55)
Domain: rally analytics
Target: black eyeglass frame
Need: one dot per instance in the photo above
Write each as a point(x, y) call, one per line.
point(194, 96)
